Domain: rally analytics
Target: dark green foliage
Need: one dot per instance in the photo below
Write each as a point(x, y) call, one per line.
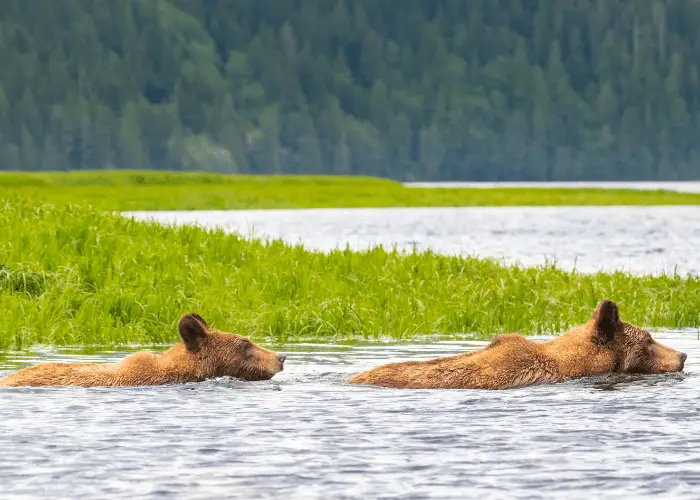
point(407, 89)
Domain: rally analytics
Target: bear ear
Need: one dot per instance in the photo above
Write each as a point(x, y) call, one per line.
point(198, 318)
point(607, 319)
point(193, 330)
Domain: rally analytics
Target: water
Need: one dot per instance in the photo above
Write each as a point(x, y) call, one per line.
point(307, 434)
point(646, 240)
point(678, 186)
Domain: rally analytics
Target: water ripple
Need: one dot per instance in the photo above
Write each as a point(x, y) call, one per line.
point(307, 434)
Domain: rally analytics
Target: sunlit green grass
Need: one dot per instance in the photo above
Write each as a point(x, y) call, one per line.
point(134, 190)
point(77, 276)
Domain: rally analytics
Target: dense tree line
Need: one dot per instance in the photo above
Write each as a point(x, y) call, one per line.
point(408, 89)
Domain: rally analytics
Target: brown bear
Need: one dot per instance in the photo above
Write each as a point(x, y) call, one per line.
point(603, 345)
point(203, 354)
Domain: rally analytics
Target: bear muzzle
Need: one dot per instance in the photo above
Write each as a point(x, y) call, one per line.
point(673, 362)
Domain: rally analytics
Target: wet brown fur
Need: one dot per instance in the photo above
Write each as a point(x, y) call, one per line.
point(202, 354)
point(603, 345)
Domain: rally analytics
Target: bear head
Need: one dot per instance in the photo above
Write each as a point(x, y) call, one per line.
point(633, 348)
point(226, 354)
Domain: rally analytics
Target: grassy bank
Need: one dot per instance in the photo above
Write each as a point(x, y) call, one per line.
point(131, 190)
point(71, 276)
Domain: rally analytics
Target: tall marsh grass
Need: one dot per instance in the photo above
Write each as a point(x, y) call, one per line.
point(71, 275)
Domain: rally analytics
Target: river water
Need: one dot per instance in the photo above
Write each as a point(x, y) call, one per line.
point(647, 240)
point(307, 434)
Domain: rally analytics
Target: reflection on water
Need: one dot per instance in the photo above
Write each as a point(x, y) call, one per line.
point(638, 239)
point(307, 434)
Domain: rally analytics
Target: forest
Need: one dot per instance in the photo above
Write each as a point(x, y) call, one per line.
point(403, 89)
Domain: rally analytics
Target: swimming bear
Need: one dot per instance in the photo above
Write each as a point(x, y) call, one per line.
point(202, 354)
point(604, 344)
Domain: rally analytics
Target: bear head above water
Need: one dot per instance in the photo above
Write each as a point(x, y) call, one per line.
point(603, 345)
point(221, 354)
point(203, 354)
point(633, 348)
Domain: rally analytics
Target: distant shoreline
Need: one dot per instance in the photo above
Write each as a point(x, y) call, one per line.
point(126, 190)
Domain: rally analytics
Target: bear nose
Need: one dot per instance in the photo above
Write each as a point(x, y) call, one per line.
point(281, 357)
point(684, 356)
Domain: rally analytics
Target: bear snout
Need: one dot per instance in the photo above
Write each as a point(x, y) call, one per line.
point(684, 356)
point(281, 357)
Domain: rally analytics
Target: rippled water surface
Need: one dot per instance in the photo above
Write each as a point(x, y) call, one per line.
point(637, 239)
point(307, 434)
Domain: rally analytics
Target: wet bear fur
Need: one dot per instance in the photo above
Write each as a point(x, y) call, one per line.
point(603, 345)
point(203, 354)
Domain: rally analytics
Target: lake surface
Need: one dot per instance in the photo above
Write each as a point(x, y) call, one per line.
point(307, 434)
point(678, 186)
point(638, 239)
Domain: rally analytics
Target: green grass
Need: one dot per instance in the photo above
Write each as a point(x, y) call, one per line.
point(72, 275)
point(134, 190)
